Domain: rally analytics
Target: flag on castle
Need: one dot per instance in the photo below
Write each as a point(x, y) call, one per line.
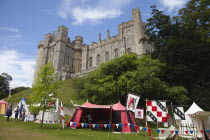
point(179, 113)
point(157, 111)
point(132, 102)
point(62, 115)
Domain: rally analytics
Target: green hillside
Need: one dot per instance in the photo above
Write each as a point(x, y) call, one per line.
point(66, 91)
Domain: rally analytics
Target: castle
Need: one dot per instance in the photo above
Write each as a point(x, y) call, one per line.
point(74, 58)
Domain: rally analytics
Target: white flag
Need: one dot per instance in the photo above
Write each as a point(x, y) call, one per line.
point(62, 115)
point(132, 102)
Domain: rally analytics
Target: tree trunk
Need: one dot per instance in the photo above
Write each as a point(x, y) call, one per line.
point(42, 118)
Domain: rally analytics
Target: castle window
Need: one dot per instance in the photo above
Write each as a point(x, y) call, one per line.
point(90, 62)
point(128, 51)
point(98, 57)
point(129, 32)
point(107, 56)
point(116, 53)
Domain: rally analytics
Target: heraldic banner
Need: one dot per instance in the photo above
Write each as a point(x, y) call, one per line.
point(139, 114)
point(132, 102)
point(157, 111)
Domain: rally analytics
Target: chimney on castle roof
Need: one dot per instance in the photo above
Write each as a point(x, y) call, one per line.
point(108, 35)
point(99, 38)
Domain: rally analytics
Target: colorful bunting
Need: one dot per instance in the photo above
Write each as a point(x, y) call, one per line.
point(75, 124)
point(207, 131)
point(93, 125)
point(186, 132)
point(109, 125)
point(82, 124)
point(145, 129)
point(177, 132)
point(191, 132)
point(162, 131)
point(113, 125)
point(158, 131)
point(117, 125)
point(86, 125)
point(172, 132)
point(105, 125)
point(121, 125)
point(101, 125)
point(89, 125)
point(202, 131)
point(97, 125)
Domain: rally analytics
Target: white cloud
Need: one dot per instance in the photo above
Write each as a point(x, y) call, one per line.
point(9, 29)
point(19, 66)
point(172, 4)
point(92, 11)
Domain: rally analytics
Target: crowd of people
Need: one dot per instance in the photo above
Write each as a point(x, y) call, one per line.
point(19, 113)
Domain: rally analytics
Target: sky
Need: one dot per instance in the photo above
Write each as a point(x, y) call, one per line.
point(23, 23)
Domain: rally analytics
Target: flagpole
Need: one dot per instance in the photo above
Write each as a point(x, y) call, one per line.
point(146, 117)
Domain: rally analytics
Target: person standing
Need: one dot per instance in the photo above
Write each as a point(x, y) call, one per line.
point(9, 113)
point(23, 114)
point(16, 113)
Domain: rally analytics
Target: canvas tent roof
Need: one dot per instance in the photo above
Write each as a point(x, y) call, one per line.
point(3, 101)
point(193, 109)
point(117, 106)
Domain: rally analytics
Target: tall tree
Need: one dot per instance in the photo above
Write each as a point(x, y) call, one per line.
point(182, 42)
point(114, 79)
point(4, 85)
point(45, 85)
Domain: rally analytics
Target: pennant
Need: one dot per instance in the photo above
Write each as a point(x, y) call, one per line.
point(101, 125)
point(136, 127)
point(113, 125)
point(121, 125)
point(89, 125)
point(129, 124)
point(158, 131)
point(177, 132)
point(117, 125)
point(202, 131)
point(109, 125)
point(71, 123)
point(172, 132)
point(132, 126)
point(82, 124)
point(125, 124)
point(145, 129)
point(93, 125)
point(97, 125)
point(186, 132)
point(86, 125)
point(162, 131)
point(75, 124)
point(54, 121)
point(105, 125)
point(78, 125)
point(191, 132)
point(132, 102)
point(149, 130)
point(207, 131)
point(140, 128)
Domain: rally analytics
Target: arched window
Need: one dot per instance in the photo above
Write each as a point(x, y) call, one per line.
point(107, 56)
point(90, 62)
point(128, 51)
point(98, 57)
point(116, 53)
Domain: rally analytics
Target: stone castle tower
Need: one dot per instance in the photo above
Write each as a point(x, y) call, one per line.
point(73, 58)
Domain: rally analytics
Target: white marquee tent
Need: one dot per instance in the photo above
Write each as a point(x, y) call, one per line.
point(196, 119)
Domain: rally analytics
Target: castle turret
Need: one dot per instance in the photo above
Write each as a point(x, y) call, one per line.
point(138, 30)
point(62, 33)
point(78, 41)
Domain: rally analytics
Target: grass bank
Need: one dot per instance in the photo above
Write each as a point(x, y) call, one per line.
point(66, 91)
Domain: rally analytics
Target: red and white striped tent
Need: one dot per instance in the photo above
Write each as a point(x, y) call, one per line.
point(116, 116)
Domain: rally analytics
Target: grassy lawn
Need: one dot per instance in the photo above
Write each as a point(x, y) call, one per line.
point(31, 131)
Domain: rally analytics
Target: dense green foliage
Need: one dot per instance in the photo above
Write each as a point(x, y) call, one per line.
point(183, 43)
point(4, 85)
point(18, 89)
point(45, 85)
point(114, 79)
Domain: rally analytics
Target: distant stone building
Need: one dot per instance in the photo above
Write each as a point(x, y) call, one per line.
point(73, 58)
